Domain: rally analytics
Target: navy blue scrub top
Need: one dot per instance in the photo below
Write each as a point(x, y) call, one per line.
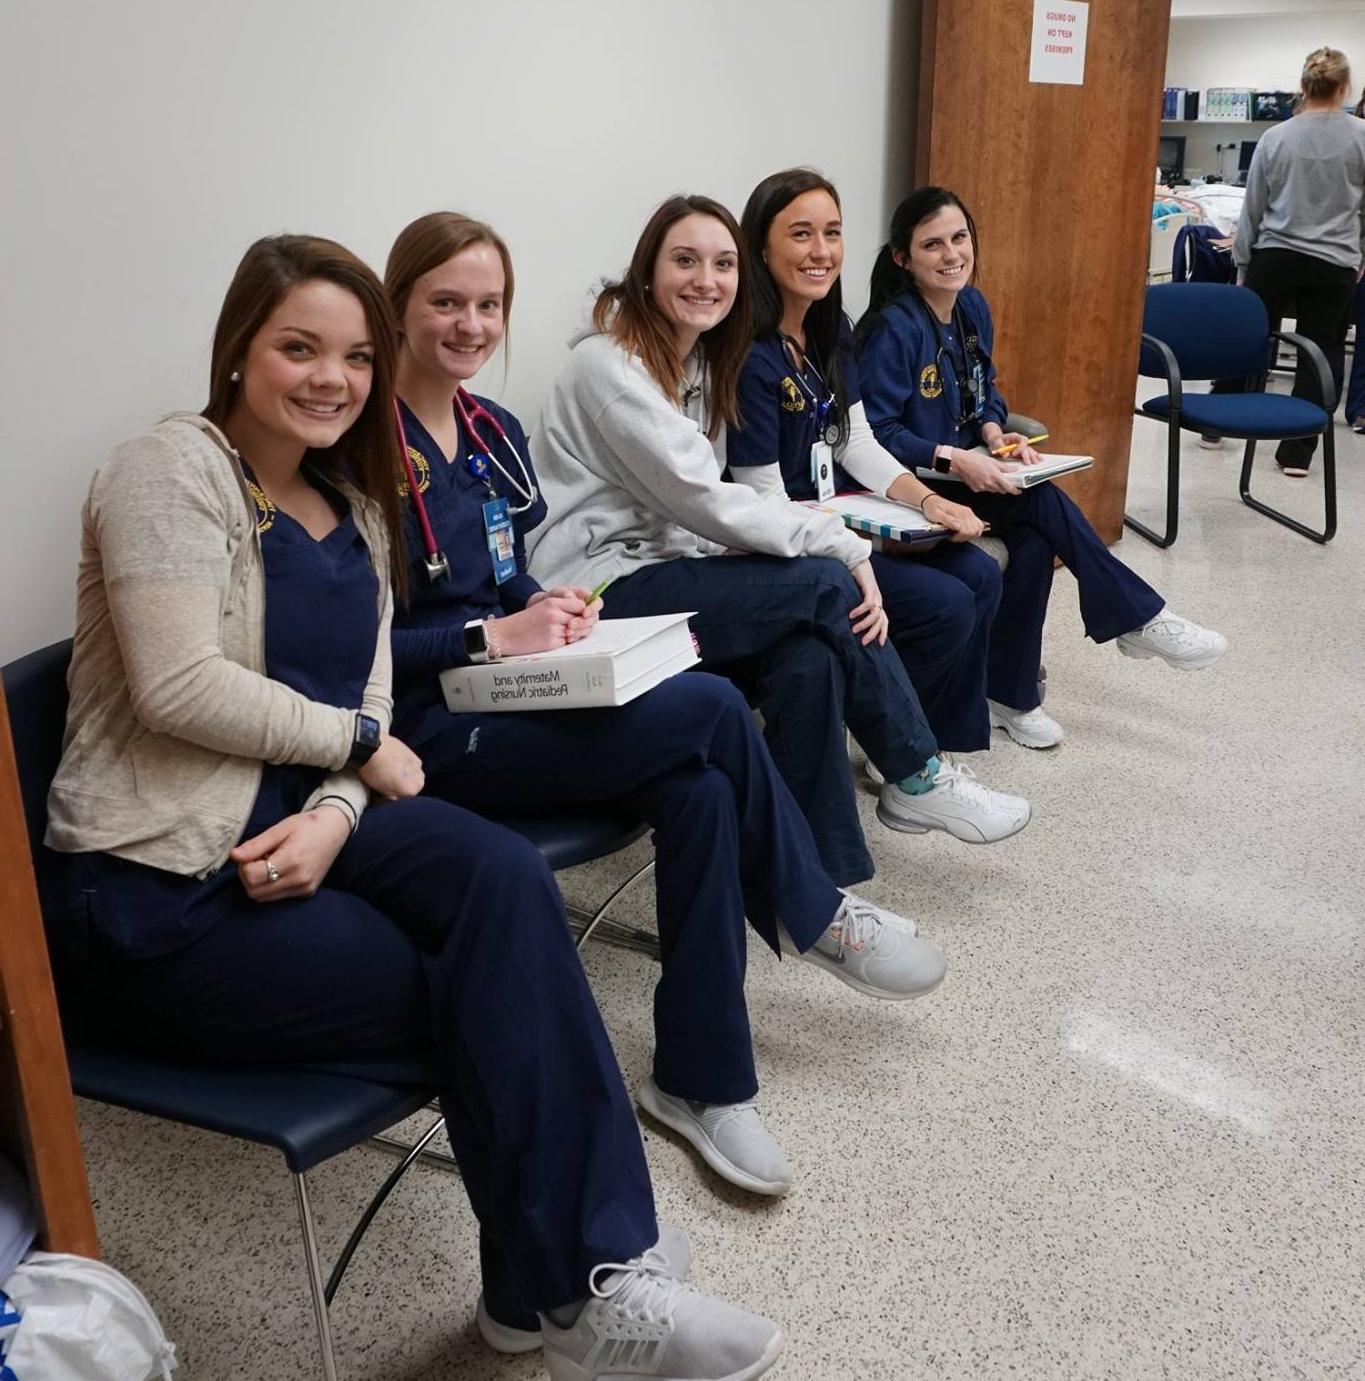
point(912, 402)
point(428, 634)
point(778, 414)
point(321, 625)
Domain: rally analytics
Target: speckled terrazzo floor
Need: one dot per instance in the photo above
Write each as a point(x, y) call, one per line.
point(1124, 1140)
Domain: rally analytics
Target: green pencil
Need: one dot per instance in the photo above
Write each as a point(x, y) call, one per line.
point(597, 593)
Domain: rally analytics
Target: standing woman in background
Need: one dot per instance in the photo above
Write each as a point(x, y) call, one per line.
point(1298, 243)
point(729, 840)
point(1355, 388)
point(217, 888)
point(924, 352)
point(785, 597)
point(800, 383)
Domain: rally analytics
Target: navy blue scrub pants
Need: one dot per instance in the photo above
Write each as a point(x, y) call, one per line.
point(941, 605)
point(1355, 389)
point(779, 627)
point(438, 950)
point(729, 842)
point(1037, 525)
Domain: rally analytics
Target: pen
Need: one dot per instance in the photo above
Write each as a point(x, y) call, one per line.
point(1014, 445)
point(597, 593)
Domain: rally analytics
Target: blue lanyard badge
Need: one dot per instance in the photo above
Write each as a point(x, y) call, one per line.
point(478, 464)
point(497, 523)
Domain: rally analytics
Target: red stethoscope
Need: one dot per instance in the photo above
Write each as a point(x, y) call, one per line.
point(470, 411)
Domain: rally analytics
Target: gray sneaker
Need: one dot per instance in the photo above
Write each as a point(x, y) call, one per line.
point(957, 803)
point(640, 1322)
point(731, 1138)
point(673, 1249)
point(875, 951)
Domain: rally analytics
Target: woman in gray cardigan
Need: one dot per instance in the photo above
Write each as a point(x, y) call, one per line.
point(218, 888)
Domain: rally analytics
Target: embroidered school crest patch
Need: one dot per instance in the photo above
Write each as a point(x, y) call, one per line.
point(793, 400)
point(421, 469)
point(930, 385)
point(265, 510)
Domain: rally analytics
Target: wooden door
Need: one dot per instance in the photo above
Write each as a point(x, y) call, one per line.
point(1060, 181)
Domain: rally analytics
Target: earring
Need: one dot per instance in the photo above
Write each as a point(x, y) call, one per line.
point(235, 377)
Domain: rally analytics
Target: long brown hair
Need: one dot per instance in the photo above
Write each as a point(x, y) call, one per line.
point(629, 314)
point(367, 454)
point(427, 243)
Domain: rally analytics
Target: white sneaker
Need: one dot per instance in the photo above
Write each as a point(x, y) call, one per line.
point(1210, 442)
point(1176, 640)
point(872, 772)
point(672, 1248)
point(1033, 728)
point(731, 1138)
point(640, 1322)
point(875, 951)
point(958, 803)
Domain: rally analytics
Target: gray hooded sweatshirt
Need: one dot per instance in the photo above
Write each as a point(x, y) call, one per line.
point(631, 480)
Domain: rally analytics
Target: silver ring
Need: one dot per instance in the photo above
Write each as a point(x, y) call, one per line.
point(272, 873)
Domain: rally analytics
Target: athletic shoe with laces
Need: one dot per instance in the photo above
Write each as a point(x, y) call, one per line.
point(524, 1336)
point(1033, 728)
point(1175, 640)
point(957, 803)
point(875, 951)
point(730, 1138)
point(639, 1322)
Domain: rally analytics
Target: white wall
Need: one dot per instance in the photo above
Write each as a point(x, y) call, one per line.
point(145, 144)
point(1264, 52)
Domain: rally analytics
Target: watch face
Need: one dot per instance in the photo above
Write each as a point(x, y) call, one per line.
point(366, 731)
point(475, 640)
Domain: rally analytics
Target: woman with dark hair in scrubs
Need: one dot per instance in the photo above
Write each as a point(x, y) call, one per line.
point(928, 383)
point(217, 887)
point(730, 843)
point(798, 388)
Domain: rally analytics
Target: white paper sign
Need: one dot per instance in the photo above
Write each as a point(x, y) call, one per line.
point(1058, 54)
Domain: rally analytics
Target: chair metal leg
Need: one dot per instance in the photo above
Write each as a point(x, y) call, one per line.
point(1329, 493)
point(440, 1159)
point(310, 1253)
point(623, 936)
point(373, 1207)
point(1167, 538)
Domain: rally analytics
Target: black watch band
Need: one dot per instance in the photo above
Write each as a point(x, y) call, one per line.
point(365, 741)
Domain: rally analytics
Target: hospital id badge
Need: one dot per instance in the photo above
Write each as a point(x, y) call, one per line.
point(497, 523)
point(822, 470)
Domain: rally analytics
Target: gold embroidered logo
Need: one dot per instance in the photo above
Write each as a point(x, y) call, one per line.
point(265, 510)
point(793, 400)
point(930, 385)
point(421, 469)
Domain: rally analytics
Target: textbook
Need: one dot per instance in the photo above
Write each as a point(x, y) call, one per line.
point(619, 660)
point(875, 516)
point(1026, 476)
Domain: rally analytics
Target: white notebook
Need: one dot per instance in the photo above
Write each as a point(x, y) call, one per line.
point(875, 516)
point(1025, 476)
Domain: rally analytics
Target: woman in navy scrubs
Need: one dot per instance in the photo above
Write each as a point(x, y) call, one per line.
point(730, 842)
point(219, 890)
point(800, 382)
point(928, 384)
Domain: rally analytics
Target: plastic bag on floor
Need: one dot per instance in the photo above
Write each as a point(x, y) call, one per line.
point(67, 1318)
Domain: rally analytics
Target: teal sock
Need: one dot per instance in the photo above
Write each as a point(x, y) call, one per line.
point(922, 781)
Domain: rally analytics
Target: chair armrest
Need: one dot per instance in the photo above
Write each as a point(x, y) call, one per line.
point(1024, 424)
point(1172, 368)
point(1314, 352)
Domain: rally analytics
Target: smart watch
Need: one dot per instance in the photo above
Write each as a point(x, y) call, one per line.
point(943, 460)
point(366, 741)
point(477, 646)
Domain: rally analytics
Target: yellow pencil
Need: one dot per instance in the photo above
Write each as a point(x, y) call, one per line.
point(1014, 445)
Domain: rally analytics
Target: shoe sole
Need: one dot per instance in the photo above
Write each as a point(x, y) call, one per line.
point(1141, 654)
point(571, 1371)
point(903, 826)
point(830, 966)
point(1019, 738)
point(707, 1149)
point(500, 1337)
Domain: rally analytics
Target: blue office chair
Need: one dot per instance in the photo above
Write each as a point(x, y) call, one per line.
point(1217, 331)
point(306, 1115)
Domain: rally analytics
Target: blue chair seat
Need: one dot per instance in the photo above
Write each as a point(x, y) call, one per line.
point(1260, 415)
point(308, 1117)
point(566, 842)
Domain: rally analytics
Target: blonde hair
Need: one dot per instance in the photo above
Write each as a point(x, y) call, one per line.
point(1325, 72)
